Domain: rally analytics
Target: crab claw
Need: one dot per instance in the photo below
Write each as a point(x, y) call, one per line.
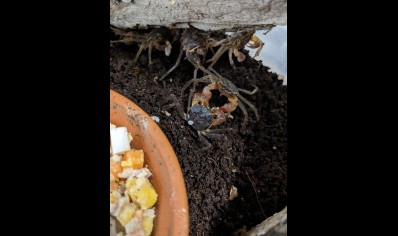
point(239, 56)
point(257, 43)
point(167, 50)
point(218, 116)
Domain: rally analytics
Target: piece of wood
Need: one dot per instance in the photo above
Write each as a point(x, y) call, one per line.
point(275, 225)
point(202, 14)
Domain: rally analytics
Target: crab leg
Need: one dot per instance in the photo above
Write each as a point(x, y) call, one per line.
point(192, 90)
point(205, 79)
point(249, 92)
point(175, 103)
point(189, 105)
point(246, 115)
point(126, 41)
point(231, 60)
point(175, 66)
point(250, 105)
point(142, 47)
point(205, 141)
point(215, 44)
point(209, 132)
point(216, 56)
point(150, 54)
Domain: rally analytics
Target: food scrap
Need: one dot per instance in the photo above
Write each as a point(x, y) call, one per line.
point(132, 196)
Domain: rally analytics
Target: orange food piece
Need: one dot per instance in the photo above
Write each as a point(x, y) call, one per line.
point(133, 158)
point(113, 186)
point(116, 168)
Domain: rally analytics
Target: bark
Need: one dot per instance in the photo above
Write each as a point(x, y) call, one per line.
point(275, 225)
point(202, 14)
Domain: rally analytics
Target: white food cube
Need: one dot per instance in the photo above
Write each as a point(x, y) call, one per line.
point(120, 140)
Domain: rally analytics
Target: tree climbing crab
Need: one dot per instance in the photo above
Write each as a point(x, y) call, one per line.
point(195, 45)
point(233, 43)
point(156, 38)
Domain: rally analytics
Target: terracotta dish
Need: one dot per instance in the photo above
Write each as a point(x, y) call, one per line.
point(172, 205)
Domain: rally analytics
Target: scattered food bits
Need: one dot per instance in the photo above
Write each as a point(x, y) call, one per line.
point(147, 221)
point(120, 140)
point(126, 214)
point(133, 158)
point(132, 196)
point(141, 192)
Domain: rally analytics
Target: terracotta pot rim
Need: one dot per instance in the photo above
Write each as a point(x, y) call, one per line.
point(174, 185)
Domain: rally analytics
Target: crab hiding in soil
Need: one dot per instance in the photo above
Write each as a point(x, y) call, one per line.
point(156, 38)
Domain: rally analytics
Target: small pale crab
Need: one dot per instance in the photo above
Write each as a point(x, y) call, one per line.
point(156, 38)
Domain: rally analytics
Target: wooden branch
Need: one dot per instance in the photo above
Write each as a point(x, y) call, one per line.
point(202, 14)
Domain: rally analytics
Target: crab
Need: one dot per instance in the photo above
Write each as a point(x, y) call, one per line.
point(156, 38)
point(233, 43)
point(195, 45)
point(217, 82)
point(201, 117)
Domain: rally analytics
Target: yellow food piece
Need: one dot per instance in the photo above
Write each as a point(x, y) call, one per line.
point(113, 198)
point(142, 192)
point(147, 224)
point(133, 158)
point(126, 214)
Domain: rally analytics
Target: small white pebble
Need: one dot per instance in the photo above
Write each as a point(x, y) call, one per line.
point(190, 122)
point(155, 118)
point(274, 147)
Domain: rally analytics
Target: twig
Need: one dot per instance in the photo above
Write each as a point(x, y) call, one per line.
point(255, 192)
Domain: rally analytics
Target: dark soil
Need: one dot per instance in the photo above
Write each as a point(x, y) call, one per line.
point(254, 160)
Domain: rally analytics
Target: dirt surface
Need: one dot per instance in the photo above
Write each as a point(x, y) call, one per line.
point(254, 160)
